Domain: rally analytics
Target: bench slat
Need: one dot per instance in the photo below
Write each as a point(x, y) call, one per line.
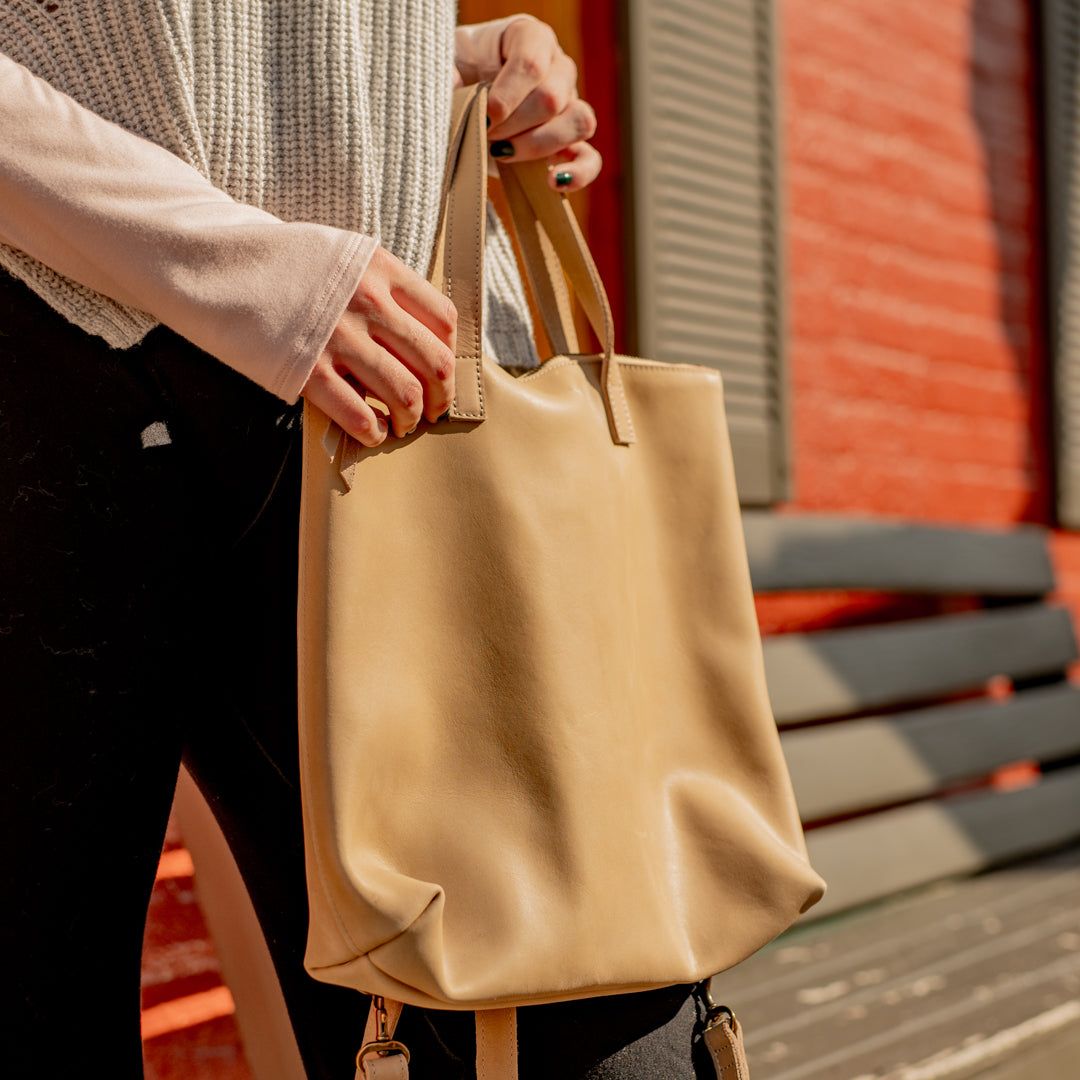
point(818, 551)
point(872, 857)
point(857, 764)
point(834, 672)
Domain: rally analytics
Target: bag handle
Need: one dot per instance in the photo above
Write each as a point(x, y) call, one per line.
point(457, 261)
point(551, 241)
point(548, 215)
point(543, 268)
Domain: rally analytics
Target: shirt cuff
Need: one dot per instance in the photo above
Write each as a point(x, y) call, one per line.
point(328, 309)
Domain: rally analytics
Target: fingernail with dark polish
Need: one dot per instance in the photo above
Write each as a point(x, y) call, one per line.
point(488, 118)
point(502, 148)
point(563, 178)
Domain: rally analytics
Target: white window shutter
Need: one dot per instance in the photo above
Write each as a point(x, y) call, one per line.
point(705, 215)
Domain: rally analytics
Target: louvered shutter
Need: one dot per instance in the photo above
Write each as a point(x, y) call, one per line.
point(705, 215)
point(1061, 73)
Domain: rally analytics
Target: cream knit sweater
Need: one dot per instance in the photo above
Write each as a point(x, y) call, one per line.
point(227, 167)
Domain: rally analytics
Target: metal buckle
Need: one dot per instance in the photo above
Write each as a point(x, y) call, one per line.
point(382, 1044)
point(382, 1047)
point(714, 1013)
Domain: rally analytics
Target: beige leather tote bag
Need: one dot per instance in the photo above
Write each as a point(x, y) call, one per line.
point(538, 757)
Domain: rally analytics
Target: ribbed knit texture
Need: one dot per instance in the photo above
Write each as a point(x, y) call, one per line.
point(331, 111)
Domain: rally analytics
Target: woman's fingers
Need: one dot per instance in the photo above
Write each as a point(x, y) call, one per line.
point(581, 160)
point(547, 98)
point(385, 377)
point(553, 122)
point(534, 108)
point(529, 47)
point(396, 340)
point(419, 298)
point(428, 358)
point(344, 404)
point(575, 123)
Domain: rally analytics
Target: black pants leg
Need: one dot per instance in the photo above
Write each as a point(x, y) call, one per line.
point(147, 612)
point(147, 609)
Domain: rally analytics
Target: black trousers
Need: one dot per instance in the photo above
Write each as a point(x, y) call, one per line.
point(147, 616)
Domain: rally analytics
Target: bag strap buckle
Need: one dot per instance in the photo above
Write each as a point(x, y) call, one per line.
point(382, 1045)
point(722, 1035)
point(382, 1048)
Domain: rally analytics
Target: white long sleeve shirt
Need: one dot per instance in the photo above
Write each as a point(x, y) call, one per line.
point(247, 219)
point(127, 218)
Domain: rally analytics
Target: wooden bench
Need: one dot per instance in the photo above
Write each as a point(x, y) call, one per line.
point(951, 926)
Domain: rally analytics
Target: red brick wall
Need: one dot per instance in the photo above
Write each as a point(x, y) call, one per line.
point(917, 374)
point(919, 380)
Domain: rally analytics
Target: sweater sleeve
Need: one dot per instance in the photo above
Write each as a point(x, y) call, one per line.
point(123, 216)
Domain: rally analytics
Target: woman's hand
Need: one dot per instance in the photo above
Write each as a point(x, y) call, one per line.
point(396, 341)
point(534, 110)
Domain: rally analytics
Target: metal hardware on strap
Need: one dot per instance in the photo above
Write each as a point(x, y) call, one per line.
point(723, 1039)
point(382, 1057)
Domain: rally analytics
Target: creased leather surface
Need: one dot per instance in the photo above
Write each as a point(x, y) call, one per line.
point(538, 756)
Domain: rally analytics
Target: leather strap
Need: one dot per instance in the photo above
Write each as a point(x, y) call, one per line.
point(392, 1067)
point(496, 1045)
point(457, 265)
point(459, 111)
point(544, 272)
point(457, 262)
point(724, 1042)
point(526, 182)
point(372, 1066)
